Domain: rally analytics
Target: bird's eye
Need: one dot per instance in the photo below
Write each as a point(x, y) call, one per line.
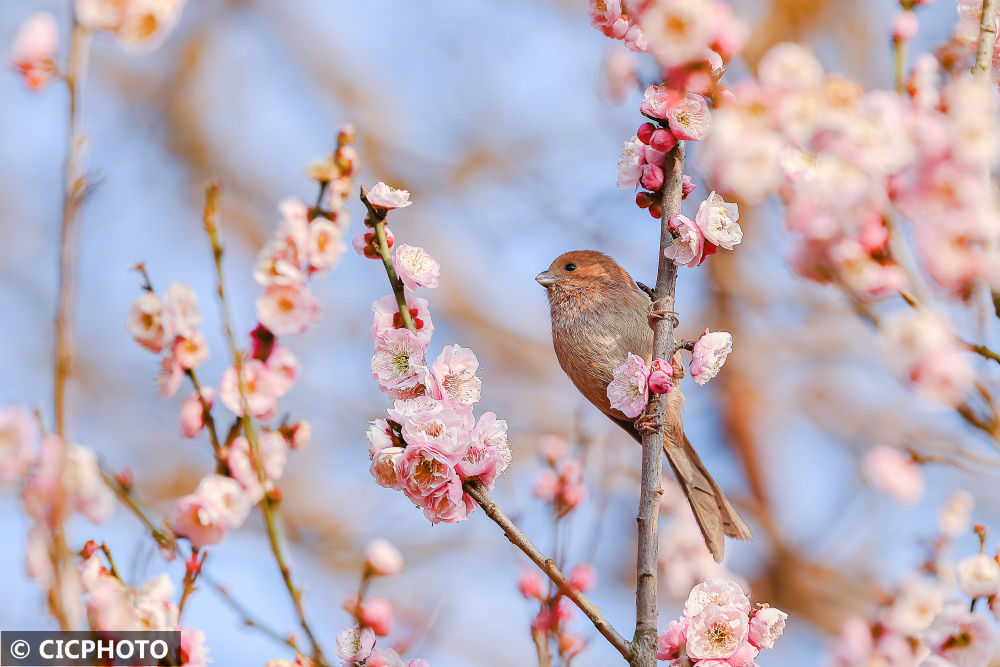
point(571, 267)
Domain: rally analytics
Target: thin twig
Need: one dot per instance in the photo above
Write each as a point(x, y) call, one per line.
point(548, 567)
point(987, 38)
point(664, 347)
point(269, 503)
point(479, 493)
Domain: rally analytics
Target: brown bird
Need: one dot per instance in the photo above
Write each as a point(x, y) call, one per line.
point(599, 317)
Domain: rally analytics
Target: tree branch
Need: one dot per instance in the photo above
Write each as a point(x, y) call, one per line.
point(664, 346)
point(987, 38)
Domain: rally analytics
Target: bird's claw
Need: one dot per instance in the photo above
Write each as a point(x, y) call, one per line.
point(659, 314)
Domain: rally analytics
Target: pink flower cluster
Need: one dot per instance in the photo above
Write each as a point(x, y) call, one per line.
point(923, 350)
point(307, 242)
point(928, 619)
point(33, 51)
point(894, 472)
point(719, 628)
point(633, 380)
point(713, 227)
point(676, 31)
point(373, 616)
point(560, 482)
point(138, 24)
point(432, 443)
point(555, 611)
point(847, 162)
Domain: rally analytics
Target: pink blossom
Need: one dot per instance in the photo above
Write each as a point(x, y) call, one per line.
point(19, 442)
point(281, 260)
point(217, 505)
point(652, 177)
point(382, 558)
point(570, 644)
point(259, 384)
point(384, 468)
point(147, 323)
point(287, 309)
point(895, 473)
point(716, 632)
point(629, 391)
point(449, 503)
point(383, 197)
point(355, 643)
point(690, 118)
point(398, 363)
point(386, 316)
point(530, 584)
point(66, 477)
point(552, 447)
point(298, 435)
point(169, 377)
point(190, 352)
point(716, 592)
point(688, 247)
point(731, 34)
point(678, 31)
point(709, 354)
point(668, 646)
point(661, 377)
point(180, 308)
point(904, 26)
point(418, 662)
point(384, 657)
point(192, 412)
point(283, 369)
point(916, 603)
point(717, 221)
point(194, 653)
point(630, 163)
point(366, 243)
point(546, 485)
point(766, 625)
point(326, 244)
point(963, 638)
point(789, 66)
point(744, 656)
point(379, 436)
point(445, 429)
point(415, 267)
point(687, 186)
point(979, 576)
point(454, 373)
point(659, 100)
point(603, 13)
point(955, 516)
point(488, 454)
point(34, 49)
point(423, 470)
point(583, 576)
point(273, 451)
point(663, 141)
point(377, 614)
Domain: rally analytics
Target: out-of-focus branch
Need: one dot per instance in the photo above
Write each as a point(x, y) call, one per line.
point(479, 493)
point(987, 38)
point(269, 503)
point(664, 347)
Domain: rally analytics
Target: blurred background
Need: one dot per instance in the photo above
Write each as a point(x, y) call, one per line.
point(495, 116)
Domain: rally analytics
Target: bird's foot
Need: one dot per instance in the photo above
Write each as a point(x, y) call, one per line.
point(659, 314)
point(647, 424)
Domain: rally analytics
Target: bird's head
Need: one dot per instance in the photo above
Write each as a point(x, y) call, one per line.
point(581, 269)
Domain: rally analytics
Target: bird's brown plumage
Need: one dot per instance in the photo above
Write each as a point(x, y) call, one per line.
point(599, 317)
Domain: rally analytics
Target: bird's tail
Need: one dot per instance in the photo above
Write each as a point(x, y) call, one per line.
point(716, 516)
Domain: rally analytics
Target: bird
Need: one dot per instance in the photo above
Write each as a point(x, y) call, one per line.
point(599, 317)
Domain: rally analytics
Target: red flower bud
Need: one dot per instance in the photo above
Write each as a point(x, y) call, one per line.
point(645, 131)
point(662, 140)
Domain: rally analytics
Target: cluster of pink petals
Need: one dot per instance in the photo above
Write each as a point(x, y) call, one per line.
point(895, 473)
point(265, 382)
point(561, 483)
point(922, 349)
point(686, 114)
point(641, 163)
point(719, 628)
point(714, 227)
point(432, 443)
point(709, 354)
point(19, 442)
point(633, 380)
point(34, 49)
point(218, 504)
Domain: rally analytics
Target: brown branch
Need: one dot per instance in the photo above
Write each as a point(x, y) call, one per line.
point(548, 567)
point(479, 493)
point(269, 503)
point(987, 38)
point(664, 347)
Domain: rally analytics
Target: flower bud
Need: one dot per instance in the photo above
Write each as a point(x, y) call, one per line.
point(662, 140)
point(687, 186)
point(645, 131)
point(904, 26)
point(383, 558)
point(643, 199)
point(656, 211)
point(655, 157)
point(652, 177)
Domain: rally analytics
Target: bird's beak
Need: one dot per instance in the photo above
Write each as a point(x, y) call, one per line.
point(546, 279)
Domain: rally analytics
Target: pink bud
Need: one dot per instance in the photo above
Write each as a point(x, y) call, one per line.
point(377, 614)
point(552, 447)
point(645, 131)
point(662, 140)
point(904, 26)
point(652, 177)
point(656, 211)
point(655, 157)
point(643, 199)
point(669, 644)
point(570, 644)
point(546, 485)
point(573, 494)
point(383, 558)
point(192, 413)
point(661, 377)
point(583, 576)
point(687, 186)
point(530, 585)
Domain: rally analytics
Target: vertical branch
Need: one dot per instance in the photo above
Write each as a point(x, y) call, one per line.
point(664, 346)
point(987, 39)
point(269, 503)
